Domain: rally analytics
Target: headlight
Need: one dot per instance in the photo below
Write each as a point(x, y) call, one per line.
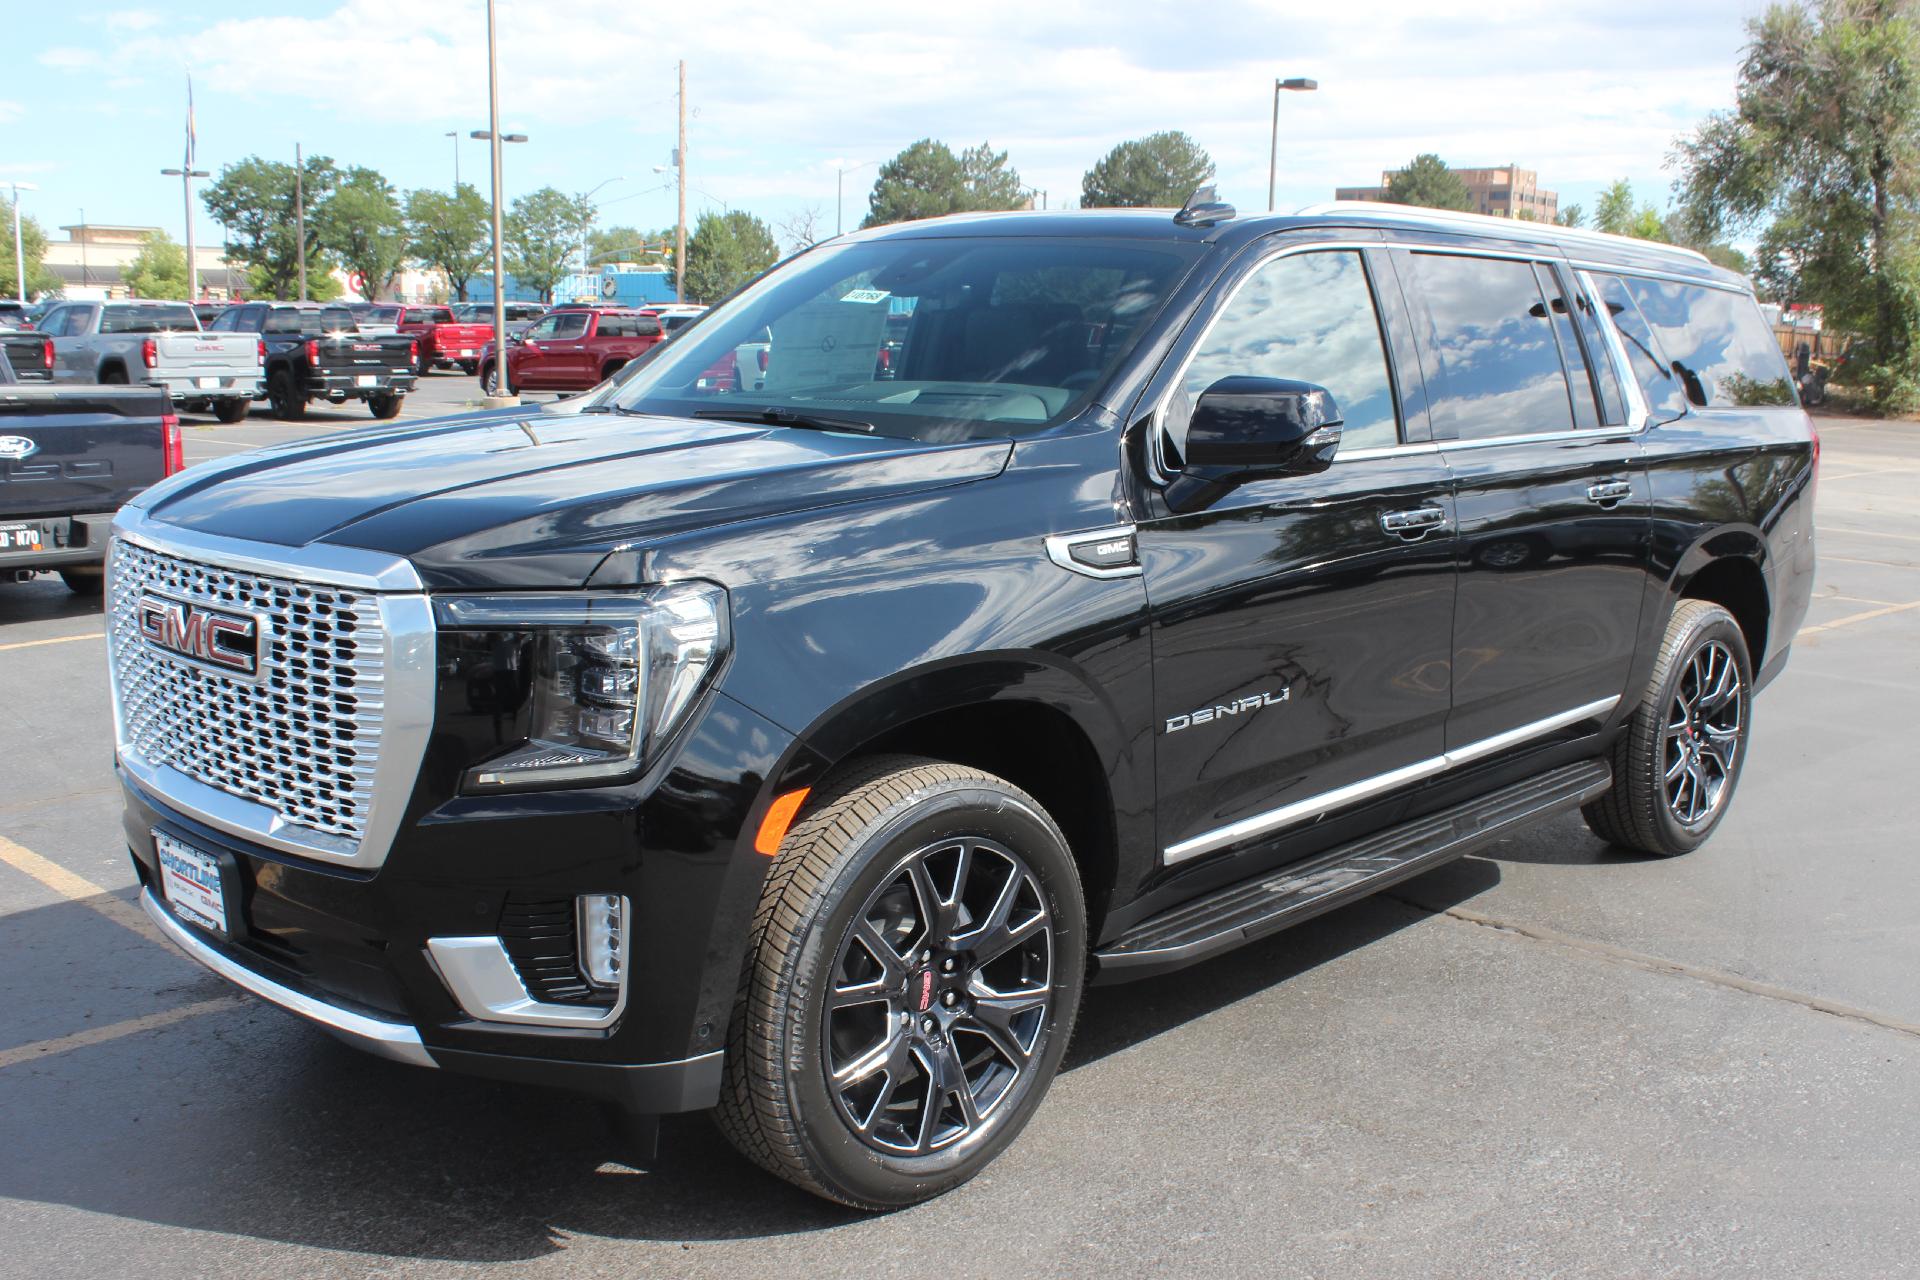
point(578, 688)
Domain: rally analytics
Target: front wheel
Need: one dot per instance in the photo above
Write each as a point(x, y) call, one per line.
point(490, 380)
point(385, 405)
point(913, 976)
point(1676, 765)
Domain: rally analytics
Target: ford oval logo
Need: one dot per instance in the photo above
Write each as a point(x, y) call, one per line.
point(17, 447)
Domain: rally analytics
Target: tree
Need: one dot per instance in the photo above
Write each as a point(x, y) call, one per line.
point(33, 244)
point(254, 201)
point(1426, 181)
point(1570, 216)
point(628, 244)
point(1824, 136)
point(928, 180)
point(362, 223)
point(806, 227)
point(450, 232)
point(725, 251)
point(159, 270)
point(542, 229)
point(1159, 171)
point(1614, 213)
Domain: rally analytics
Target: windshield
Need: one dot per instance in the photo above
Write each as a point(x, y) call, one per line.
point(934, 339)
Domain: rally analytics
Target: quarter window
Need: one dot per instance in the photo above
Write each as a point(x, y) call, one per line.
point(1715, 341)
point(1308, 317)
point(1491, 334)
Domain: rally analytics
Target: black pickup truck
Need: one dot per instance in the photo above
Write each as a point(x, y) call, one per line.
point(69, 457)
point(316, 352)
point(802, 750)
point(30, 355)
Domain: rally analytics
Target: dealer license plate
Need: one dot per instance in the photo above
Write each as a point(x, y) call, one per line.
point(21, 537)
point(190, 881)
point(208, 384)
point(366, 380)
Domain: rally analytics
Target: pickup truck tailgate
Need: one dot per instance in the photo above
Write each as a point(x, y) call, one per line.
point(366, 354)
point(461, 341)
point(216, 355)
point(30, 354)
point(65, 450)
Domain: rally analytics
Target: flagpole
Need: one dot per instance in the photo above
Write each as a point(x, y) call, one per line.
point(186, 188)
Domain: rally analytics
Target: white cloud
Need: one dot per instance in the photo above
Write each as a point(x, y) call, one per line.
point(133, 20)
point(11, 111)
point(1581, 90)
point(71, 58)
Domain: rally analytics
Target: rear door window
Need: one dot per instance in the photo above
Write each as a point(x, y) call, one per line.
point(1715, 341)
point(149, 320)
point(1309, 317)
point(1490, 333)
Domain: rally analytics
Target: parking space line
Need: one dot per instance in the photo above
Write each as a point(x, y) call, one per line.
point(1675, 968)
point(78, 889)
point(1867, 533)
point(1835, 595)
point(114, 1031)
point(1866, 616)
point(35, 644)
point(1878, 564)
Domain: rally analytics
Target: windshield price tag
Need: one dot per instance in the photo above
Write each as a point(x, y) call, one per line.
point(866, 295)
point(823, 344)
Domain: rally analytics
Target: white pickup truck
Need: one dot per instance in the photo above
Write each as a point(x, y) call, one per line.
point(160, 344)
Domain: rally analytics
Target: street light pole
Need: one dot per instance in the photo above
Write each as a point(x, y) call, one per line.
point(840, 196)
point(680, 227)
point(19, 246)
point(186, 177)
point(1298, 84)
point(455, 135)
point(300, 216)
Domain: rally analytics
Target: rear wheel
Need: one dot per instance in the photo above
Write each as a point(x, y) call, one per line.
point(1675, 767)
point(84, 582)
point(287, 401)
point(914, 973)
point(385, 405)
point(232, 410)
point(490, 380)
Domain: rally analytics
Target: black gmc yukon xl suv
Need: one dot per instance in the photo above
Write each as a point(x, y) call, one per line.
point(801, 752)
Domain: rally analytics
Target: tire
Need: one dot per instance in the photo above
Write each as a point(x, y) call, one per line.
point(490, 381)
point(468, 367)
point(385, 406)
point(231, 411)
point(1698, 734)
point(84, 582)
point(288, 404)
point(849, 860)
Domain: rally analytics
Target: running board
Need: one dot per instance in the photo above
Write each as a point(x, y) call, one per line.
point(1254, 908)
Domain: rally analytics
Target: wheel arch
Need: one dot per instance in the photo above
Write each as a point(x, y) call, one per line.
point(1726, 568)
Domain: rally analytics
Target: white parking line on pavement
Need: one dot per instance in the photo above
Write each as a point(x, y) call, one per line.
point(113, 1031)
point(78, 889)
point(35, 644)
point(1868, 616)
point(1868, 533)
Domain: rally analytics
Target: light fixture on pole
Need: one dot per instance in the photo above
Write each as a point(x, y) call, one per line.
point(186, 177)
point(839, 193)
point(493, 136)
point(1299, 84)
point(19, 248)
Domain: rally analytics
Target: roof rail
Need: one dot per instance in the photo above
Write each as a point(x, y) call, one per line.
point(1549, 231)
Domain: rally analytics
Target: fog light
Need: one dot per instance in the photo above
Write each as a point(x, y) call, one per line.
point(603, 930)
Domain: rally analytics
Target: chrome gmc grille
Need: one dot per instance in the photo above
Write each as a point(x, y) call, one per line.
point(302, 740)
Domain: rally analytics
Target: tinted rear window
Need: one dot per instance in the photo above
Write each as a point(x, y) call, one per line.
point(429, 315)
point(313, 324)
point(1491, 333)
point(1666, 399)
point(1715, 341)
point(148, 319)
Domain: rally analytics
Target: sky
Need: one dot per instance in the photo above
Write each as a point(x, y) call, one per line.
point(781, 95)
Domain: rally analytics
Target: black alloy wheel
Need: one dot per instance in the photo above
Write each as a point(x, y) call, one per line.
point(1702, 742)
point(939, 996)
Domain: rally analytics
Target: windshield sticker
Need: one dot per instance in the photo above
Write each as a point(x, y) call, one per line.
point(866, 295)
point(822, 344)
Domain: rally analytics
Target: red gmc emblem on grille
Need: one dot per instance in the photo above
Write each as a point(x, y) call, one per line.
point(226, 641)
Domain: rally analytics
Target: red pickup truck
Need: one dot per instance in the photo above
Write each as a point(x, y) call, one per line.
point(571, 350)
point(443, 341)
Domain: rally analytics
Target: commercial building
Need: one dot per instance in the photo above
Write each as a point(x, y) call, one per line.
point(93, 260)
point(1507, 191)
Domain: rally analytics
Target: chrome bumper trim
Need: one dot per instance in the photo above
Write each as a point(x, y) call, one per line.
point(480, 975)
point(394, 1040)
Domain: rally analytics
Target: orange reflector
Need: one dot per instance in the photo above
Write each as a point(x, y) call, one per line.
point(773, 827)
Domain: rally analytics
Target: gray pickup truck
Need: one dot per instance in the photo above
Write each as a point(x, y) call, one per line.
point(160, 344)
point(69, 458)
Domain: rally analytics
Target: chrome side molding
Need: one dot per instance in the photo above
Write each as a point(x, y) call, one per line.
point(1287, 815)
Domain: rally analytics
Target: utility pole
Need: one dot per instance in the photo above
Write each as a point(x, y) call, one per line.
point(19, 245)
point(455, 135)
point(502, 383)
point(84, 280)
point(680, 227)
point(300, 216)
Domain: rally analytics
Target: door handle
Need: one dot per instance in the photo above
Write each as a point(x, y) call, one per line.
point(1415, 524)
point(1609, 492)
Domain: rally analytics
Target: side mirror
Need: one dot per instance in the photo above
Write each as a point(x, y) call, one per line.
point(1247, 428)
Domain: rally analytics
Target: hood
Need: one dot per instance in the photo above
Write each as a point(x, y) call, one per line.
point(536, 498)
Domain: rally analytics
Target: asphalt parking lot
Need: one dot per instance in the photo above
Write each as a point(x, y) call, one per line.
point(1549, 1060)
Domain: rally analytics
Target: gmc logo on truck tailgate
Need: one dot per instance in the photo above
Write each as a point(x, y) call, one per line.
point(225, 641)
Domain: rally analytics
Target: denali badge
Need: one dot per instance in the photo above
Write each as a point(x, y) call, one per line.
point(1252, 702)
point(226, 641)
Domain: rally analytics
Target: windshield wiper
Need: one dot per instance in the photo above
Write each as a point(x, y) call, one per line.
point(774, 416)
